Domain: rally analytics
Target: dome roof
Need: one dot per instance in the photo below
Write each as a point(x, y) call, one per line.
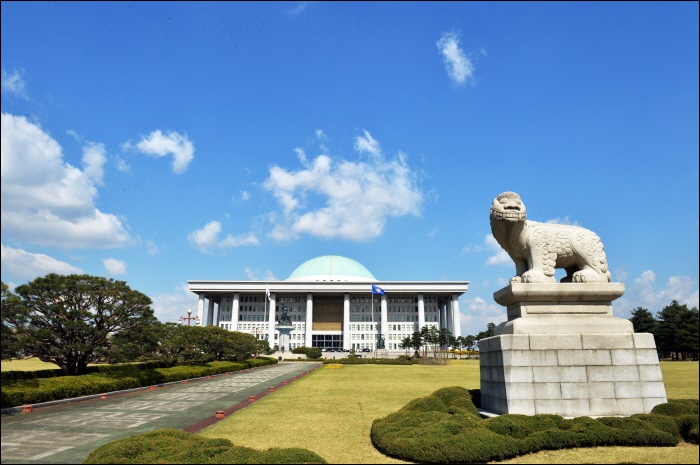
point(331, 268)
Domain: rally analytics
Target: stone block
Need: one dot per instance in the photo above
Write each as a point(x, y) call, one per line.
point(514, 342)
point(628, 390)
point(650, 373)
point(518, 374)
point(623, 356)
point(607, 341)
point(555, 341)
point(653, 389)
point(644, 341)
point(523, 407)
point(547, 390)
point(612, 373)
point(557, 374)
point(584, 357)
point(530, 358)
point(603, 407)
point(497, 374)
point(651, 402)
point(520, 391)
point(563, 407)
point(647, 357)
point(629, 406)
point(601, 390)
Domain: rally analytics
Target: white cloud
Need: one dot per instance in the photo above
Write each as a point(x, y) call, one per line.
point(94, 159)
point(367, 144)
point(356, 197)
point(170, 307)
point(28, 266)
point(479, 314)
point(53, 202)
point(160, 145)
point(207, 238)
point(257, 275)
point(122, 165)
point(114, 266)
point(299, 8)
point(645, 293)
point(459, 67)
point(565, 220)
point(245, 196)
point(501, 257)
point(13, 83)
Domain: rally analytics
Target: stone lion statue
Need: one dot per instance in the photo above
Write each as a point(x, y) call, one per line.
point(538, 248)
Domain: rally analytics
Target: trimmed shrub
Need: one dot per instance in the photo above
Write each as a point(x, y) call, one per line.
point(128, 376)
point(176, 446)
point(445, 427)
point(310, 352)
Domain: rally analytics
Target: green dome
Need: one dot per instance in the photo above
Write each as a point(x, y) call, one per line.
point(331, 268)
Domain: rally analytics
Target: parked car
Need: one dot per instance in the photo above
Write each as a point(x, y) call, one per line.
point(366, 350)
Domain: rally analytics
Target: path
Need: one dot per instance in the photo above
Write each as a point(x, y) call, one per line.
point(68, 432)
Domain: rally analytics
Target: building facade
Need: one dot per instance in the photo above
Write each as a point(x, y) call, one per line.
point(330, 303)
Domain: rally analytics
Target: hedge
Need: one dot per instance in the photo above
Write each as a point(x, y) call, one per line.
point(177, 446)
point(116, 378)
point(446, 427)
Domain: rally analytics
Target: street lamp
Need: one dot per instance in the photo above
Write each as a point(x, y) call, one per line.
point(189, 318)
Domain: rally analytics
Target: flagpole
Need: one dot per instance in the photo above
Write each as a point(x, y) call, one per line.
point(374, 333)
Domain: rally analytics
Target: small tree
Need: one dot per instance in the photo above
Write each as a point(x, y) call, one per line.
point(643, 321)
point(69, 320)
point(10, 320)
point(416, 341)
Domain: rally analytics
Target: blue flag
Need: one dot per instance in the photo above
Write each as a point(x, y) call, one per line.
point(377, 290)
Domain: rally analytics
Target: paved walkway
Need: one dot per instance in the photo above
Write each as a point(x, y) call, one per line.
point(69, 431)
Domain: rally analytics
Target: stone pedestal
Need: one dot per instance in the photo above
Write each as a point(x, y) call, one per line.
point(563, 352)
point(285, 336)
point(382, 353)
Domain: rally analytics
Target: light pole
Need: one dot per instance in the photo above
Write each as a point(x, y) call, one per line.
point(189, 318)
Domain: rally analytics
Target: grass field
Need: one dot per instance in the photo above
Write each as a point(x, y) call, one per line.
point(330, 412)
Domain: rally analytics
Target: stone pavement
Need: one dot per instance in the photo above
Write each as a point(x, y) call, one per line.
point(66, 432)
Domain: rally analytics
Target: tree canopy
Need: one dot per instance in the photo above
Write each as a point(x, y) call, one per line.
point(71, 320)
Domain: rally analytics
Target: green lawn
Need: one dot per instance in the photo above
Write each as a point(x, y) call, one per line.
point(330, 412)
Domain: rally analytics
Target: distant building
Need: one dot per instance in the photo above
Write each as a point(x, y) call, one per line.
point(331, 304)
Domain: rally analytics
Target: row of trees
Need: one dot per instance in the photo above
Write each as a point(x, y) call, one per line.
point(430, 339)
point(76, 320)
point(675, 329)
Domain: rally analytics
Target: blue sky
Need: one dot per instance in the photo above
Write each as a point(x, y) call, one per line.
point(158, 142)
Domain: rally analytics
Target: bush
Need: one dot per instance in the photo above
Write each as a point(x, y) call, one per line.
point(177, 446)
point(446, 427)
point(310, 352)
point(128, 376)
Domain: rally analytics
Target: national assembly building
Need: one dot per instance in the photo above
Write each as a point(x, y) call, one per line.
point(330, 302)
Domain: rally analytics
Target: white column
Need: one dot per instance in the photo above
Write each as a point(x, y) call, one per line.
point(235, 308)
point(450, 320)
point(210, 314)
point(271, 319)
point(455, 314)
point(309, 319)
point(384, 323)
point(217, 313)
point(443, 316)
point(200, 309)
point(421, 312)
point(346, 322)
